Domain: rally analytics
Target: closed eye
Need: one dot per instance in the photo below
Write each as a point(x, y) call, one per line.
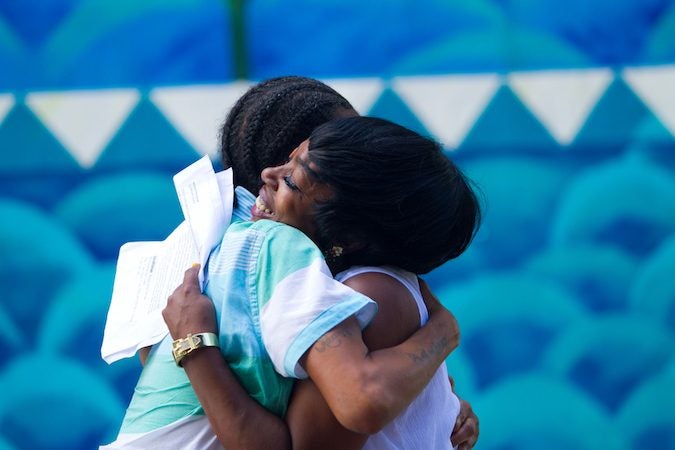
point(289, 182)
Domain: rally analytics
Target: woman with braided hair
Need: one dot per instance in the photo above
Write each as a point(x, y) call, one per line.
point(256, 427)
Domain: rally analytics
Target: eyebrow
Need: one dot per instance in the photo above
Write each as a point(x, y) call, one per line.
point(305, 165)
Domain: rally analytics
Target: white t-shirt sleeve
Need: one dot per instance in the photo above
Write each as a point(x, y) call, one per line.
point(301, 301)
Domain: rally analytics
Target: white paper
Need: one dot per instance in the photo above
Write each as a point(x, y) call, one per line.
point(148, 272)
point(203, 204)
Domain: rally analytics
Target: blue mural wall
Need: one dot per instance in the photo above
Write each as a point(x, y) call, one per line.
point(563, 114)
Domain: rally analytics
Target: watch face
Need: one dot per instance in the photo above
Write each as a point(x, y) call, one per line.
point(184, 345)
point(191, 342)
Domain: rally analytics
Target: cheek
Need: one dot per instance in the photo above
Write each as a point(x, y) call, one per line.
point(290, 210)
point(308, 214)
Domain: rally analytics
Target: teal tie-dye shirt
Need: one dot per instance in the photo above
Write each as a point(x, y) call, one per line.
point(274, 297)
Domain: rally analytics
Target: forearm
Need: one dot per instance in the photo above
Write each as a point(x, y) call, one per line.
point(398, 374)
point(238, 420)
point(366, 390)
point(314, 426)
point(403, 371)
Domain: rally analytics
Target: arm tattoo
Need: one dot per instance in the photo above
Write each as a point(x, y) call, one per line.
point(424, 354)
point(332, 339)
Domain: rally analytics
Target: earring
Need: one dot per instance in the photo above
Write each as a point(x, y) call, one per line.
point(335, 252)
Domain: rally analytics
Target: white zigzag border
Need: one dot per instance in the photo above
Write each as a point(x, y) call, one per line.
point(85, 121)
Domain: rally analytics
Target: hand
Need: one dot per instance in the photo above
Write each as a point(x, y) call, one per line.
point(430, 300)
point(187, 310)
point(435, 308)
point(465, 433)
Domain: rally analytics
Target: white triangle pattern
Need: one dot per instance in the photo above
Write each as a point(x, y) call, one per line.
point(84, 121)
point(360, 92)
point(197, 112)
point(448, 105)
point(656, 87)
point(561, 99)
point(6, 103)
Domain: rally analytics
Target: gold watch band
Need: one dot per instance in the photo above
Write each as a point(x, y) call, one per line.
point(183, 347)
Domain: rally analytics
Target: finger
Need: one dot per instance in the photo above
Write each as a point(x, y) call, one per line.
point(192, 275)
point(458, 426)
point(462, 435)
point(467, 432)
point(460, 432)
point(452, 383)
point(476, 432)
point(458, 436)
point(424, 288)
point(464, 411)
point(430, 300)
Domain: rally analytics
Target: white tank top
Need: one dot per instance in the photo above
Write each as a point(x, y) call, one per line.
point(428, 421)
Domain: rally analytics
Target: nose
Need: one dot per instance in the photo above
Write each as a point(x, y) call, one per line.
point(270, 176)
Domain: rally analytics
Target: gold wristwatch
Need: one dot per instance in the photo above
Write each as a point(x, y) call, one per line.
point(183, 347)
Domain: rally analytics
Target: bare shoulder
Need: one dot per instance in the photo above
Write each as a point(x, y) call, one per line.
point(397, 317)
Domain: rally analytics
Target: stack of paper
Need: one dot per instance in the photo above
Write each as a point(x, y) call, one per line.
point(148, 272)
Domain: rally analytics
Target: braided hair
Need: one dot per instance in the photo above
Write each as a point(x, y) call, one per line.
point(271, 119)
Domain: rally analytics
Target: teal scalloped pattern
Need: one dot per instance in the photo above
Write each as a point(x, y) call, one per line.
point(566, 298)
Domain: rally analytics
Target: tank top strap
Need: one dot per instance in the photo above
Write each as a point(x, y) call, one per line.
point(407, 279)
